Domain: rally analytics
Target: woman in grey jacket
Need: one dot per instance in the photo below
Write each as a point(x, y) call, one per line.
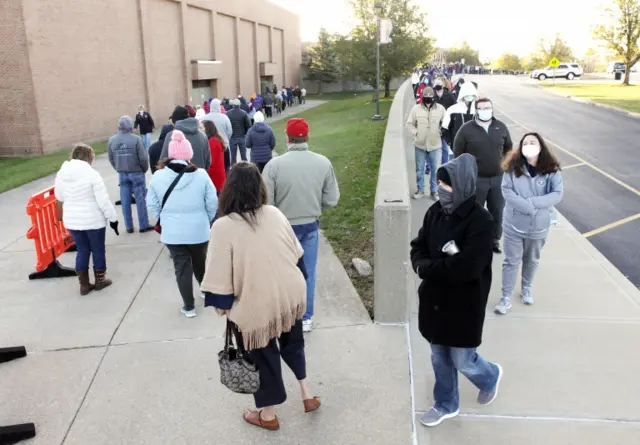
point(532, 185)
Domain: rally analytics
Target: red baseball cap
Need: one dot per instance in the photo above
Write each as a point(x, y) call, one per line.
point(297, 127)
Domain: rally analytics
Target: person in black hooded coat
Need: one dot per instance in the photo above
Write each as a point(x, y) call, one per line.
point(455, 288)
point(156, 148)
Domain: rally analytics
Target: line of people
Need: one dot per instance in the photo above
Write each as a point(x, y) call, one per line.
point(251, 244)
point(453, 251)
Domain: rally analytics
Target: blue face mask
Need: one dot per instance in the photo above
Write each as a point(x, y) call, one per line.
point(445, 198)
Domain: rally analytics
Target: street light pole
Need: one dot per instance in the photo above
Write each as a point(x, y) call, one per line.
point(378, 7)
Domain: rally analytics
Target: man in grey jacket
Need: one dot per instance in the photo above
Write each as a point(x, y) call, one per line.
point(129, 157)
point(301, 184)
point(199, 142)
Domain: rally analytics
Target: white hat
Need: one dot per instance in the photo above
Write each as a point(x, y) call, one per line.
point(258, 117)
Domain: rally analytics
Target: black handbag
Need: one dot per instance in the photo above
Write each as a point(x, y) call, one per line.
point(236, 372)
point(158, 226)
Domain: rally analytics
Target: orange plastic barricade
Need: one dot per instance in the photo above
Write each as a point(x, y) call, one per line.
point(52, 239)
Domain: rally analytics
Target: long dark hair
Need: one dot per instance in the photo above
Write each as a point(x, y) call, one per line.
point(243, 193)
point(515, 160)
point(211, 131)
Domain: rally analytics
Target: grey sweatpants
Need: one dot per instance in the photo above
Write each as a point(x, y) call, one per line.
point(518, 249)
point(489, 190)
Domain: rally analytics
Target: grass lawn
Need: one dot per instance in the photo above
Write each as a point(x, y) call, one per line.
point(343, 131)
point(622, 96)
point(21, 170)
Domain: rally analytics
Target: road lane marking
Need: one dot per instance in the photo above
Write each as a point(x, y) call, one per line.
point(584, 161)
point(613, 225)
point(564, 167)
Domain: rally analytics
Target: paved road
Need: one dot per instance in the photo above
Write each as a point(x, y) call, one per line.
point(598, 149)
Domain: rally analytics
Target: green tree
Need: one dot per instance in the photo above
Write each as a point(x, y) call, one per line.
point(470, 55)
point(409, 45)
point(323, 66)
point(509, 62)
point(622, 32)
point(557, 48)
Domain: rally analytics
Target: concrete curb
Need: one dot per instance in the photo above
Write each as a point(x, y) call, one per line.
point(589, 102)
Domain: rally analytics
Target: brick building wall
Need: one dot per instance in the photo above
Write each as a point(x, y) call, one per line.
point(71, 68)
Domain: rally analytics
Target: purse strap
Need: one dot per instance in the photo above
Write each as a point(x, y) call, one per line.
point(171, 187)
point(228, 342)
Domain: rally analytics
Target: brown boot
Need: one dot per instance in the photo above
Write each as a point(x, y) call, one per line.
point(101, 280)
point(85, 284)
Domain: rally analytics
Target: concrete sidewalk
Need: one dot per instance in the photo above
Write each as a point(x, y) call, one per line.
point(570, 362)
point(123, 366)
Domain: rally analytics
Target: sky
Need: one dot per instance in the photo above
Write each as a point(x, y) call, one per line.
point(492, 26)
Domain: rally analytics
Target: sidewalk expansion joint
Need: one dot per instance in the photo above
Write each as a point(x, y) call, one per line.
point(545, 418)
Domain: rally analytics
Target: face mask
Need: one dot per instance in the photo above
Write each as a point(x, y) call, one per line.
point(445, 198)
point(530, 151)
point(485, 115)
point(427, 100)
point(469, 98)
point(438, 87)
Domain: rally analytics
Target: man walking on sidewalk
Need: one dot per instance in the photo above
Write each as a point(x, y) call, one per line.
point(130, 159)
point(488, 140)
point(240, 124)
point(424, 122)
point(301, 184)
point(146, 124)
point(452, 255)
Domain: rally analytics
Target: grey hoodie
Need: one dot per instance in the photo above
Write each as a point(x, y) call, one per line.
point(463, 172)
point(221, 121)
point(127, 153)
point(199, 142)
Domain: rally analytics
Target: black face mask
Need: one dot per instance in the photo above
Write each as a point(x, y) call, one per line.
point(427, 100)
point(438, 87)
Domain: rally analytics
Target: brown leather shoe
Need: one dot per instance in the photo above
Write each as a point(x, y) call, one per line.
point(255, 418)
point(311, 404)
point(85, 284)
point(101, 279)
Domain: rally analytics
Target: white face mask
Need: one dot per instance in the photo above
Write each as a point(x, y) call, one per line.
point(469, 98)
point(530, 151)
point(485, 115)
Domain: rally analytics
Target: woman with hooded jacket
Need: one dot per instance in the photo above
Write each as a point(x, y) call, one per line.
point(452, 254)
point(261, 141)
point(531, 185)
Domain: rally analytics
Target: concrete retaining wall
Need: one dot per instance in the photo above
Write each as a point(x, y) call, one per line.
point(393, 282)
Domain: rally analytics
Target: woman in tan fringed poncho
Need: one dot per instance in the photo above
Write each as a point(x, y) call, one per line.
point(255, 276)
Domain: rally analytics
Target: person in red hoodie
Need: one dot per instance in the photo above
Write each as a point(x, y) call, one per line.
point(217, 169)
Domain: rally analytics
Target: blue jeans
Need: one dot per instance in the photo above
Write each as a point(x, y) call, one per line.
point(433, 158)
point(445, 152)
point(147, 140)
point(447, 361)
point(88, 243)
point(134, 183)
point(236, 144)
point(308, 235)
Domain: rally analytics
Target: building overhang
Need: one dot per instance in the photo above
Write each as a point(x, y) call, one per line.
point(268, 69)
point(206, 69)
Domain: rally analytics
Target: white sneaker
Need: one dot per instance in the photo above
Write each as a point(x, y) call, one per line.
point(418, 195)
point(203, 295)
point(307, 325)
point(188, 314)
point(503, 306)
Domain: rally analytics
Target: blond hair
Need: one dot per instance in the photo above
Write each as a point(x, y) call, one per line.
point(83, 152)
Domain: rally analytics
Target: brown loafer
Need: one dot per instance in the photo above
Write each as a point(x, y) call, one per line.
point(311, 404)
point(255, 418)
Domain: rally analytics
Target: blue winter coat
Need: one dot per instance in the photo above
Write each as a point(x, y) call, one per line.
point(261, 140)
point(186, 217)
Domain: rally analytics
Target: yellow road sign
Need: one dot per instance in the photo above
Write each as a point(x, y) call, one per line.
point(553, 63)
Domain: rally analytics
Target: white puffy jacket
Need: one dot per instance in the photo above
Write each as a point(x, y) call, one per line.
point(82, 191)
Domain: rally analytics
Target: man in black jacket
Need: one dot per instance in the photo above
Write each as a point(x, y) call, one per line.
point(455, 288)
point(488, 140)
point(146, 124)
point(447, 100)
point(240, 123)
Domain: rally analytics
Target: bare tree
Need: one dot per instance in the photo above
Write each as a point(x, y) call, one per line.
point(622, 32)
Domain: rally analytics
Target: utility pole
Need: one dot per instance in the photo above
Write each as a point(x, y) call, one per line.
point(378, 7)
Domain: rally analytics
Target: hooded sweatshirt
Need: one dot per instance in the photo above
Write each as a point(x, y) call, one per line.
point(127, 153)
point(156, 148)
point(261, 140)
point(459, 113)
point(221, 121)
point(199, 143)
point(463, 172)
point(84, 196)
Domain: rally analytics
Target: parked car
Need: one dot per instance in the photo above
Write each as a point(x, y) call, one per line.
point(619, 67)
point(567, 70)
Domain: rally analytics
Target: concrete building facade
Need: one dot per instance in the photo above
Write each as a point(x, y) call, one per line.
point(70, 68)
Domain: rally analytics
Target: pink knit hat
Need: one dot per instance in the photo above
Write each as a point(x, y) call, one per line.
point(179, 147)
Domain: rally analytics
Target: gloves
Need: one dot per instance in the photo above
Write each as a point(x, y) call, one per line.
point(114, 226)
